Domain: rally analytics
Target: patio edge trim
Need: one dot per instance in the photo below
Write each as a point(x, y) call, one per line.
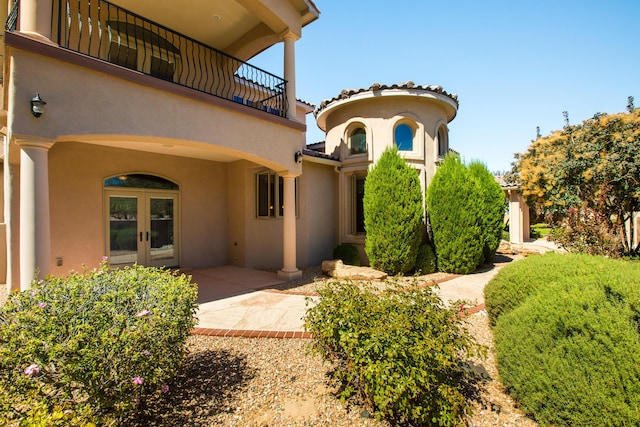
point(239, 333)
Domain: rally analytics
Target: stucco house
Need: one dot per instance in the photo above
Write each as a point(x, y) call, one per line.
point(137, 130)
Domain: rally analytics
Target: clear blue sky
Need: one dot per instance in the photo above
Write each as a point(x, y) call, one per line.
point(515, 65)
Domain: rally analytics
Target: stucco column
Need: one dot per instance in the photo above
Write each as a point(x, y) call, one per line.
point(289, 269)
point(290, 72)
point(35, 17)
point(515, 218)
point(35, 231)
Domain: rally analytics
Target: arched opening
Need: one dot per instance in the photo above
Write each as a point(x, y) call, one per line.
point(358, 141)
point(443, 143)
point(403, 137)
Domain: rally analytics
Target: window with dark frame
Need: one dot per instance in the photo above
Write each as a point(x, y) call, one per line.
point(358, 141)
point(269, 195)
point(358, 204)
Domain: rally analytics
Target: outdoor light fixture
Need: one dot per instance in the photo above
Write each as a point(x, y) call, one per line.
point(298, 156)
point(37, 105)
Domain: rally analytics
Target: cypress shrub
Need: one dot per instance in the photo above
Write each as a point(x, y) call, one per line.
point(455, 212)
point(392, 214)
point(426, 260)
point(491, 198)
point(568, 340)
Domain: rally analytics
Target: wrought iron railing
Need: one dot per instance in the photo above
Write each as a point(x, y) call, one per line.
point(108, 32)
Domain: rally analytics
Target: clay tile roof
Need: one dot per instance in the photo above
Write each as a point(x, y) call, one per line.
point(317, 154)
point(500, 179)
point(347, 93)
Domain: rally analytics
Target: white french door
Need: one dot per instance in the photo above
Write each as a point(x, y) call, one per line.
point(142, 227)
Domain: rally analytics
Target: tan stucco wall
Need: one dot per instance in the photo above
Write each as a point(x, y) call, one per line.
point(380, 116)
point(318, 222)
point(84, 103)
point(253, 242)
point(76, 175)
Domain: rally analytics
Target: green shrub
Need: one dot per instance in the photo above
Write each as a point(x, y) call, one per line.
point(426, 260)
point(455, 213)
point(568, 347)
point(492, 209)
point(90, 347)
point(400, 351)
point(348, 253)
point(393, 214)
point(539, 230)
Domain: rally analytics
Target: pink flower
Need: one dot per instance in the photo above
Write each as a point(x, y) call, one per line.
point(32, 369)
point(105, 258)
point(146, 353)
point(165, 388)
point(137, 380)
point(143, 313)
point(42, 304)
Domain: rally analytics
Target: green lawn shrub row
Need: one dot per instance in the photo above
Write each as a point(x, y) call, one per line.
point(539, 230)
point(567, 338)
point(89, 348)
point(400, 351)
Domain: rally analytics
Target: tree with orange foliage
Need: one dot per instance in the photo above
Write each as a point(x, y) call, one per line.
point(592, 169)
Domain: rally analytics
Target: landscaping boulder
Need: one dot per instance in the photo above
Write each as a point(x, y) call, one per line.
point(336, 269)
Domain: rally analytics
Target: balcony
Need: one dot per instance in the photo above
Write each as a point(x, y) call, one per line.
point(107, 32)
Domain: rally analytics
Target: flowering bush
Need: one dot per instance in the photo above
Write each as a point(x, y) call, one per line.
point(90, 347)
point(400, 351)
point(588, 231)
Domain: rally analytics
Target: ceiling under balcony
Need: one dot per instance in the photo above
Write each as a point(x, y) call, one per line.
point(242, 28)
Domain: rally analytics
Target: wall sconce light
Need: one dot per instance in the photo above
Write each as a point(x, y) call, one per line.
point(37, 105)
point(298, 156)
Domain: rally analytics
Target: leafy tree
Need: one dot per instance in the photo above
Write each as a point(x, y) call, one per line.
point(593, 168)
point(455, 214)
point(393, 214)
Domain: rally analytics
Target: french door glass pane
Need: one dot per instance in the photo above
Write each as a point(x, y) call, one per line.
point(123, 229)
point(161, 215)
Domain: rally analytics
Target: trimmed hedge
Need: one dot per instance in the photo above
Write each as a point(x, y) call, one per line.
point(492, 201)
point(401, 352)
point(426, 260)
point(455, 213)
point(567, 338)
point(89, 348)
point(393, 214)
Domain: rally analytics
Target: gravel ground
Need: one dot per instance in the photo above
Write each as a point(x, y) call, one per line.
point(276, 382)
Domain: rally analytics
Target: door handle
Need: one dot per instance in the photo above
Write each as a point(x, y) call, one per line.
point(141, 236)
point(147, 236)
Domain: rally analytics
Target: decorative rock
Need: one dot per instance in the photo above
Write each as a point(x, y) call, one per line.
point(331, 265)
point(337, 269)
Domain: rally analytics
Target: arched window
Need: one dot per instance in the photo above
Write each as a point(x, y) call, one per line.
point(358, 141)
point(140, 181)
point(443, 144)
point(403, 137)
